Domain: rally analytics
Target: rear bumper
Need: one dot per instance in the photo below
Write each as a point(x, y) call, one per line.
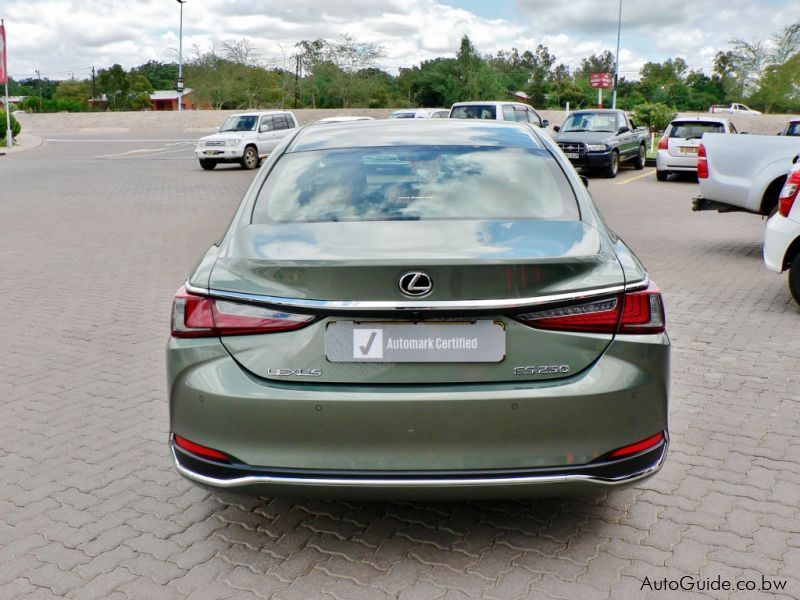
point(667, 162)
point(778, 236)
point(538, 432)
point(573, 480)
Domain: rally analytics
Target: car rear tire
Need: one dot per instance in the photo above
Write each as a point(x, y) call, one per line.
point(250, 158)
point(794, 279)
point(638, 162)
point(613, 165)
point(662, 175)
point(207, 165)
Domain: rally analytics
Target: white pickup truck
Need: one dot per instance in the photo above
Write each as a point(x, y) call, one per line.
point(743, 173)
point(733, 109)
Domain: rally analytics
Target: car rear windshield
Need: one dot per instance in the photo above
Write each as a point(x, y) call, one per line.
point(695, 129)
point(474, 112)
point(415, 183)
point(793, 129)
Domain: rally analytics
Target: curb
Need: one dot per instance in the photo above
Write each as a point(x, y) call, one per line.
point(31, 142)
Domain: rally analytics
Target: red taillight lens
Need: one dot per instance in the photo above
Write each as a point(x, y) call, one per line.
point(593, 317)
point(663, 143)
point(203, 451)
point(200, 316)
point(789, 192)
point(647, 444)
point(634, 312)
point(643, 312)
point(702, 162)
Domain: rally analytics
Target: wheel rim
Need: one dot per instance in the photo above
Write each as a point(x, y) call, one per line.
point(250, 158)
point(641, 153)
point(614, 164)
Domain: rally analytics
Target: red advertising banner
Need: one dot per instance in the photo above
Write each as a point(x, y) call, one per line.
point(3, 61)
point(601, 80)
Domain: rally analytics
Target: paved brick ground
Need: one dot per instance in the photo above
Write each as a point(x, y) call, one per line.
point(90, 507)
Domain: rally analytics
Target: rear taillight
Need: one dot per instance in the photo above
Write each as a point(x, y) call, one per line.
point(200, 316)
point(789, 192)
point(634, 312)
point(702, 163)
point(663, 143)
point(647, 444)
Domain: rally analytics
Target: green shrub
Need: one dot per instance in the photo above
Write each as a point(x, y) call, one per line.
point(654, 115)
point(15, 127)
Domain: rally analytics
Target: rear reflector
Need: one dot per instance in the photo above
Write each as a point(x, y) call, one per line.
point(647, 444)
point(200, 316)
point(203, 451)
point(634, 312)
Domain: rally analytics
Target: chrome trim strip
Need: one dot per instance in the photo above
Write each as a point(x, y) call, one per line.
point(413, 483)
point(356, 305)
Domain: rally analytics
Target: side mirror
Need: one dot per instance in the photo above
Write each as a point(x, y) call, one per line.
point(545, 122)
point(623, 129)
point(585, 180)
point(556, 128)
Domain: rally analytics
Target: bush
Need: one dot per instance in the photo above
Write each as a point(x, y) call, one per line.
point(654, 115)
point(15, 127)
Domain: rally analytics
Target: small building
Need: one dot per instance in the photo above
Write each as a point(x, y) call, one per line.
point(168, 100)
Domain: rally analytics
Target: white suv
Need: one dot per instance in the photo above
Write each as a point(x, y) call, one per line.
point(245, 138)
point(782, 235)
point(498, 111)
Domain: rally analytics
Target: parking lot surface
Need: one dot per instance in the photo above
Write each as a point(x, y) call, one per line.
point(99, 231)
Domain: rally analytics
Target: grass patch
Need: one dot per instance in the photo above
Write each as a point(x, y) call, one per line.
point(655, 147)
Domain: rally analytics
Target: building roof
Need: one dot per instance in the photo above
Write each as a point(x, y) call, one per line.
point(168, 94)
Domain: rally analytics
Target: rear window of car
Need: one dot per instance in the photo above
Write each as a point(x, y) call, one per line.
point(415, 183)
point(473, 111)
point(694, 129)
point(793, 129)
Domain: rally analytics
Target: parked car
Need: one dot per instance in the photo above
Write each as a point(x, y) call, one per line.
point(498, 111)
point(743, 173)
point(440, 113)
point(245, 138)
point(602, 139)
point(678, 147)
point(427, 309)
point(732, 109)
point(782, 234)
point(342, 119)
point(410, 113)
point(791, 128)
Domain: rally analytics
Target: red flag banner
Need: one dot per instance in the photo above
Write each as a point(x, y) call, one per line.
point(3, 61)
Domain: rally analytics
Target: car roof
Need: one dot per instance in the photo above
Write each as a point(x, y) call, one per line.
point(720, 120)
point(259, 113)
point(422, 132)
point(491, 103)
point(597, 110)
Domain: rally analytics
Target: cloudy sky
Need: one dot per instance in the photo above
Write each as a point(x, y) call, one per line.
point(65, 37)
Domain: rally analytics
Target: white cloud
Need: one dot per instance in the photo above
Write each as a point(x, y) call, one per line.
point(63, 36)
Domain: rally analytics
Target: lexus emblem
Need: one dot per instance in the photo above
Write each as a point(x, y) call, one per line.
point(416, 284)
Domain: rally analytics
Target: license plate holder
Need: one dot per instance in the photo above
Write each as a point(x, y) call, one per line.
point(572, 155)
point(404, 342)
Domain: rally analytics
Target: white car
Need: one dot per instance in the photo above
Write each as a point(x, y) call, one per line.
point(677, 150)
point(498, 111)
point(245, 138)
point(782, 235)
point(733, 109)
point(440, 113)
point(410, 113)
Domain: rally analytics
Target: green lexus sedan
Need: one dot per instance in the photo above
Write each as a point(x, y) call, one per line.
point(429, 309)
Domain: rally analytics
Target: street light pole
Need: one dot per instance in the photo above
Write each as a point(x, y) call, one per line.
point(616, 59)
point(180, 59)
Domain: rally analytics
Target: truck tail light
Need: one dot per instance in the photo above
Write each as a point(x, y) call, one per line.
point(634, 312)
point(790, 191)
point(702, 163)
point(196, 316)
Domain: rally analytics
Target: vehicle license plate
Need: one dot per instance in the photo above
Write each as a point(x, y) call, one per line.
point(352, 341)
point(213, 152)
point(573, 155)
point(689, 149)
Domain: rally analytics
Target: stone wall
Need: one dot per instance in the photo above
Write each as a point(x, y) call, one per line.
point(208, 120)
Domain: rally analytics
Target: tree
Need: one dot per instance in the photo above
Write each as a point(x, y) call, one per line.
point(162, 76)
point(475, 79)
point(115, 84)
point(654, 116)
point(73, 91)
